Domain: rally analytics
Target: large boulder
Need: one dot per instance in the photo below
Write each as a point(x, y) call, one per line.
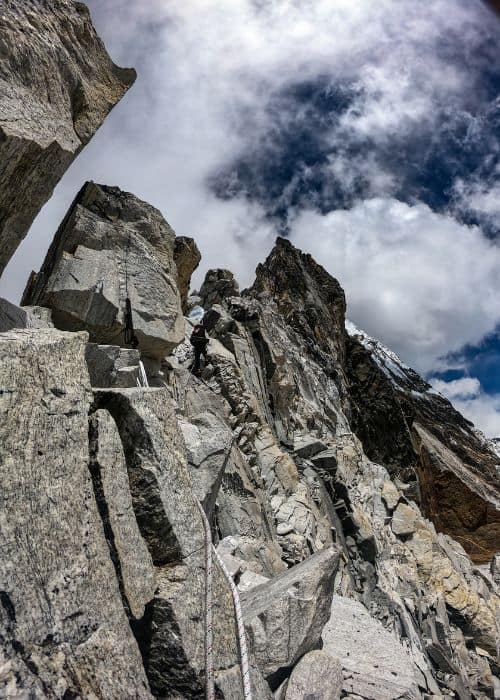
point(376, 666)
point(187, 258)
point(57, 84)
point(317, 676)
point(284, 618)
point(217, 286)
point(110, 246)
point(63, 628)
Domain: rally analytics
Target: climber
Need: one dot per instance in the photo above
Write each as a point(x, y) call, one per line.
point(199, 341)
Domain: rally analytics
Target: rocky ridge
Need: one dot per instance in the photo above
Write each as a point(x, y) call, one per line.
point(324, 542)
point(355, 511)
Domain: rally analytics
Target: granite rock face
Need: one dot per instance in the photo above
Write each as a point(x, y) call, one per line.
point(317, 676)
point(375, 664)
point(57, 84)
point(284, 618)
point(187, 258)
point(64, 631)
point(322, 524)
point(112, 246)
point(422, 440)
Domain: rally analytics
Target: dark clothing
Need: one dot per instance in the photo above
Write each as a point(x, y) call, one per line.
point(199, 341)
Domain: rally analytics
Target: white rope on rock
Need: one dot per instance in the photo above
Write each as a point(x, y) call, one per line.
point(143, 378)
point(242, 641)
point(209, 634)
point(245, 669)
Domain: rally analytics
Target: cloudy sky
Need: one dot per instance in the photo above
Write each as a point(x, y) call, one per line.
point(369, 133)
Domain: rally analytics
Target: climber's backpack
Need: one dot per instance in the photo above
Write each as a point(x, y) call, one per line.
point(198, 337)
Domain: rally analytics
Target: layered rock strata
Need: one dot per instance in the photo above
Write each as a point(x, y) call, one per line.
point(446, 465)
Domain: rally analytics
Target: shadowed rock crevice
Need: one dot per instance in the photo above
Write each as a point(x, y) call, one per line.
point(145, 490)
point(102, 507)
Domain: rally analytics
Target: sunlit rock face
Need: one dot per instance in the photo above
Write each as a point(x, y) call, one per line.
point(57, 84)
point(348, 503)
point(112, 247)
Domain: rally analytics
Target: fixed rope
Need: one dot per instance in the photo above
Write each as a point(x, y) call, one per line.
point(209, 633)
point(130, 337)
point(142, 379)
point(242, 641)
point(242, 644)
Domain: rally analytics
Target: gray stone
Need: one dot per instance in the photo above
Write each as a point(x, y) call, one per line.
point(307, 447)
point(187, 258)
point(110, 246)
point(317, 676)
point(111, 366)
point(57, 84)
point(109, 471)
point(390, 495)
point(249, 579)
point(12, 316)
point(284, 618)
point(169, 521)
point(375, 664)
point(208, 443)
point(403, 520)
point(61, 610)
point(218, 286)
point(253, 554)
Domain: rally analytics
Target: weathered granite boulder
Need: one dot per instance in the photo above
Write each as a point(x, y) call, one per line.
point(187, 258)
point(57, 84)
point(111, 366)
point(64, 630)
point(111, 246)
point(12, 316)
point(284, 618)
point(376, 666)
point(171, 631)
point(217, 286)
point(317, 676)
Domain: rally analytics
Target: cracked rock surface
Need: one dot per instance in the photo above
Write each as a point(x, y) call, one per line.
point(112, 246)
point(57, 85)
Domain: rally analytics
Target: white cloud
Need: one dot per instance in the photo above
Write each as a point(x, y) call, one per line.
point(420, 281)
point(483, 198)
point(468, 398)
point(207, 69)
point(459, 389)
